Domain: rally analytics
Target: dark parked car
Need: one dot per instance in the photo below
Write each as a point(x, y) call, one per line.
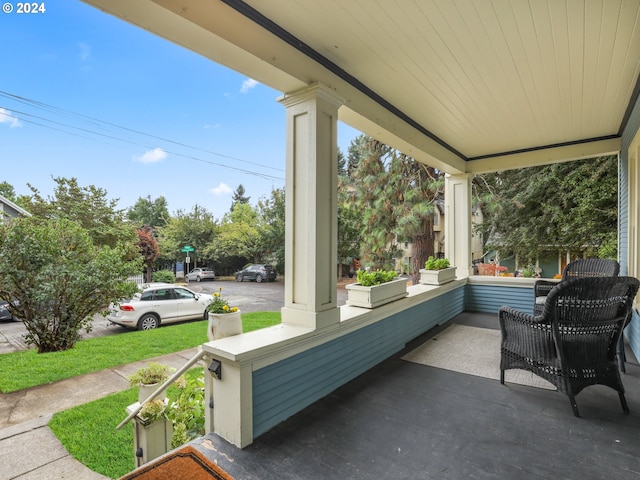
point(256, 272)
point(5, 314)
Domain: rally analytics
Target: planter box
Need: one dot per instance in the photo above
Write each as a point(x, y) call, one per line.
point(371, 297)
point(437, 277)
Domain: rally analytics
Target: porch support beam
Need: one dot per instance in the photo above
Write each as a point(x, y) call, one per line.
point(311, 237)
point(457, 225)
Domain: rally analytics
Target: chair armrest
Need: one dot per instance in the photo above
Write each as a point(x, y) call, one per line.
point(542, 288)
point(530, 335)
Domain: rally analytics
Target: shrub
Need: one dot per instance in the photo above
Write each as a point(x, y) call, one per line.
point(153, 373)
point(187, 411)
point(165, 276)
point(436, 264)
point(368, 279)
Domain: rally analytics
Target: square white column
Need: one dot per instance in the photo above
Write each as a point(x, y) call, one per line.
point(311, 208)
point(457, 219)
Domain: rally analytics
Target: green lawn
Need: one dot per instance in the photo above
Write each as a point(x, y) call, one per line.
point(26, 369)
point(79, 428)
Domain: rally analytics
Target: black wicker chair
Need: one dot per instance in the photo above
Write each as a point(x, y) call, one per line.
point(584, 267)
point(573, 343)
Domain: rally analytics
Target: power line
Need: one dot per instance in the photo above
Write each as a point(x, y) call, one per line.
point(100, 124)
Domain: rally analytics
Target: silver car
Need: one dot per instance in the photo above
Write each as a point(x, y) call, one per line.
point(160, 303)
point(199, 274)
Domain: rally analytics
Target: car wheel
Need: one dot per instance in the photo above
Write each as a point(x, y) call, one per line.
point(198, 279)
point(239, 278)
point(259, 278)
point(148, 322)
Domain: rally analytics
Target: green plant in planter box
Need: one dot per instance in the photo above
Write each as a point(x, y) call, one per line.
point(436, 264)
point(152, 373)
point(152, 411)
point(370, 278)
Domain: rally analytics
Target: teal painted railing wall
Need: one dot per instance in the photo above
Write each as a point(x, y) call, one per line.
point(489, 298)
point(283, 389)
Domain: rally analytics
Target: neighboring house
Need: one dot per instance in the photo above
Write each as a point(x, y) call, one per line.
point(8, 209)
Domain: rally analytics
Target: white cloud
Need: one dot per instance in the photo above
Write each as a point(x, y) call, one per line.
point(221, 189)
point(248, 84)
point(85, 51)
point(7, 117)
point(151, 156)
point(208, 126)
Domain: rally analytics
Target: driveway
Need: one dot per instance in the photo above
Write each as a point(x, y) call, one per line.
point(248, 296)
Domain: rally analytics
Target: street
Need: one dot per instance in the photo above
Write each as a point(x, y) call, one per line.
point(248, 296)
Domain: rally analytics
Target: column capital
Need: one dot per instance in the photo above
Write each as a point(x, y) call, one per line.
point(311, 92)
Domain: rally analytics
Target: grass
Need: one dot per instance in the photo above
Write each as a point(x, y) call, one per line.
point(79, 428)
point(100, 353)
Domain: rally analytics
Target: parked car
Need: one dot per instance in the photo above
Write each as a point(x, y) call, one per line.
point(257, 272)
point(5, 314)
point(199, 274)
point(159, 303)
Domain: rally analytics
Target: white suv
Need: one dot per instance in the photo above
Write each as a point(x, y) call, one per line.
point(160, 303)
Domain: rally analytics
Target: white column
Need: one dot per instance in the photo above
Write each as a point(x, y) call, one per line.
point(311, 208)
point(457, 227)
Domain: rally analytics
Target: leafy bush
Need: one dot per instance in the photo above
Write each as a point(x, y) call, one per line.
point(151, 374)
point(368, 278)
point(187, 411)
point(57, 279)
point(165, 276)
point(436, 264)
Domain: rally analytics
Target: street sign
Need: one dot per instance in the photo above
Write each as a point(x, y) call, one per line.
point(188, 248)
point(187, 260)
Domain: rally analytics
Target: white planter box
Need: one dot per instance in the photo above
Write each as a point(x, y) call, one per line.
point(371, 297)
point(437, 277)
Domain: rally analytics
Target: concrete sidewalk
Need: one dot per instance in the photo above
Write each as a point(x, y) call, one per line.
point(28, 448)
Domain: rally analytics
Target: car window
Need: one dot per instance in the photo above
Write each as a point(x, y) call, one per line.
point(182, 293)
point(146, 296)
point(163, 294)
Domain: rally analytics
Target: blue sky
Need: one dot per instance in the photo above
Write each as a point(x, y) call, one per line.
point(85, 95)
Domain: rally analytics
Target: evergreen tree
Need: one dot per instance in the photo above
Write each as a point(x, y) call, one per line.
point(238, 197)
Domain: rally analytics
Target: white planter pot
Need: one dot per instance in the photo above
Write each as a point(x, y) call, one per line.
point(437, 277)
point(371, 297)
point(144, 390)
point(224, 325)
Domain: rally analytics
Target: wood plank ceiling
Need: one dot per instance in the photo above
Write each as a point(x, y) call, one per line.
point(459, 84)
point(485, 77)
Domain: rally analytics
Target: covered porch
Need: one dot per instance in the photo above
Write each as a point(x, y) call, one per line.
point(408, 420)
point(465, 87)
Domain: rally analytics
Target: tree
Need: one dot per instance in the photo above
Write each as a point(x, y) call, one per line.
point(7, 191)
point(56, 279)
point(149, 249)
point(238, 236)
point(239, 197)
point(87, 206)
point(272, 226)
point(196, 228)
point(569, 206)
point(415, 188)
point(153, 213)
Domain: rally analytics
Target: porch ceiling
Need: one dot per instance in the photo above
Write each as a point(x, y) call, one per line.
point(462, 85)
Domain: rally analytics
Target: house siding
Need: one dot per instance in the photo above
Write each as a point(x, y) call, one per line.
point(489, 298)
point(282, 389)
point(632, 333)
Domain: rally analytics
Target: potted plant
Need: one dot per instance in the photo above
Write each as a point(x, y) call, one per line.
point(224, 320)
point(149, 378)
point(375, 288)
point(437, 271)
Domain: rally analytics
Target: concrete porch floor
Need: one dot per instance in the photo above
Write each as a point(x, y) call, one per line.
point(402, 420)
